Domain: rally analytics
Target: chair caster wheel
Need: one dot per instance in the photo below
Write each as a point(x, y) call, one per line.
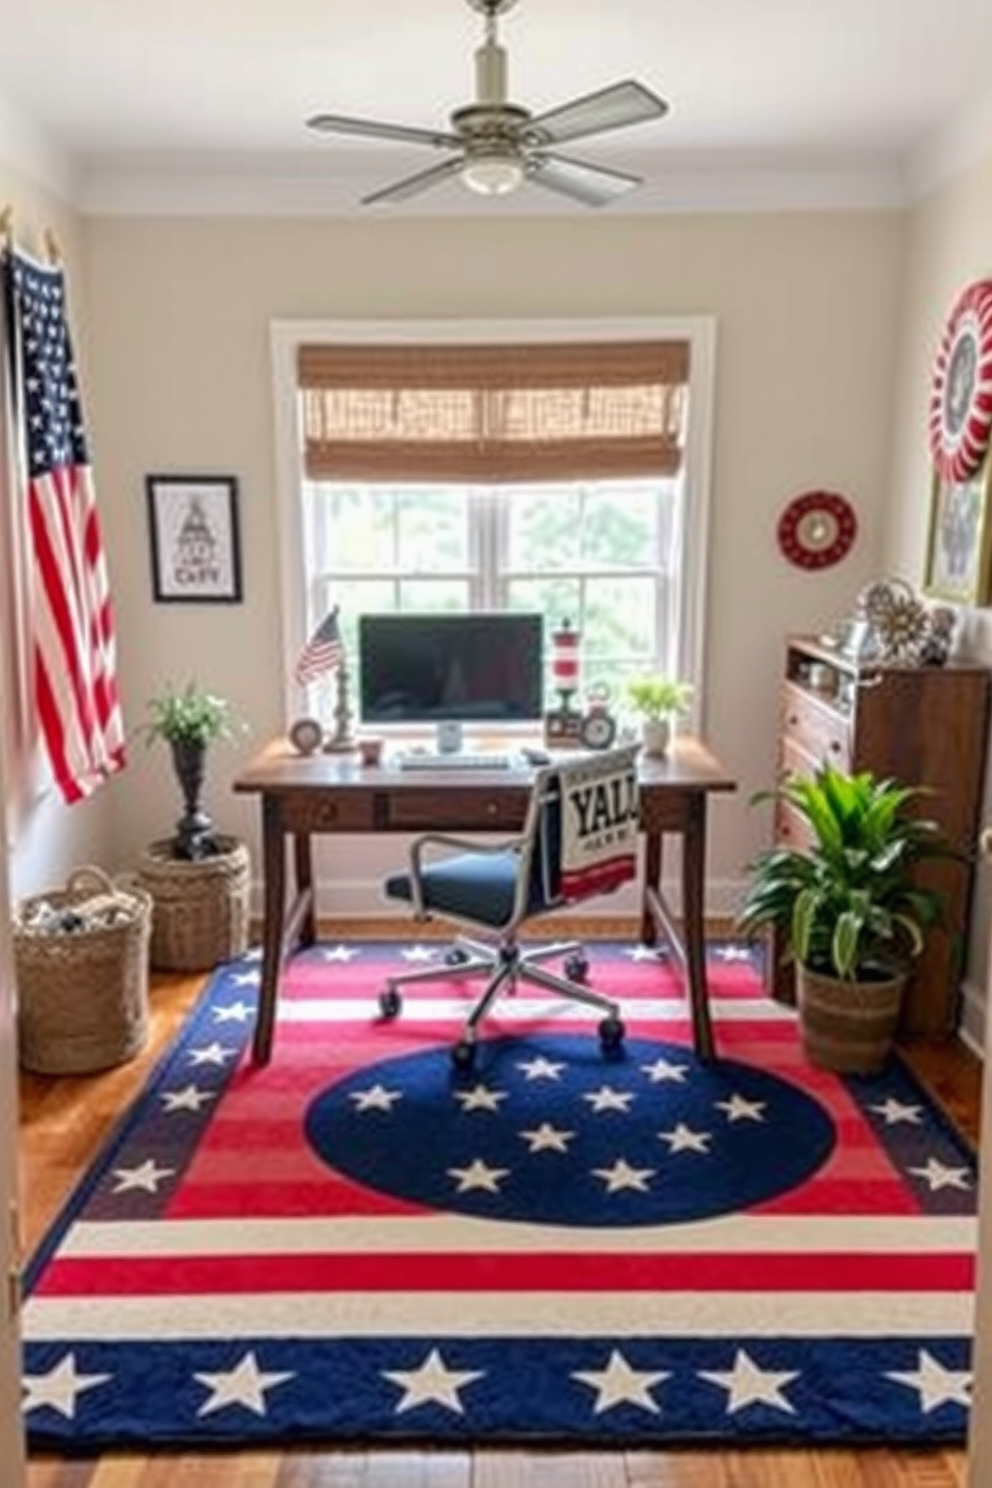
point(577, 967)
point(455, 956)
point(463, 1055)
point(390, 1003)
point(611, 1032)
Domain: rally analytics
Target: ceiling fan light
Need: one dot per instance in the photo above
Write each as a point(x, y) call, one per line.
point(493, 175)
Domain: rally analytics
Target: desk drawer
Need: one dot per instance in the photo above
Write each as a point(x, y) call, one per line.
point(328, 811)
point(814, 726)
point(470, 810)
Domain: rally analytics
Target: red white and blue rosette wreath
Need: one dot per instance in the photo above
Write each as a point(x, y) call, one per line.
point(960, 419)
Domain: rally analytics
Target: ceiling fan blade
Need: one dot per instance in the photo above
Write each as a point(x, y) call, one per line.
point(414, 185)
point(614, 107)
point(375, 129)
point(592, 185)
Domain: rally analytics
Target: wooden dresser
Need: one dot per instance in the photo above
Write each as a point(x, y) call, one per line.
point(925, 726)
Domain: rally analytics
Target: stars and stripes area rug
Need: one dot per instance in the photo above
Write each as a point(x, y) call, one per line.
point(358, 1242)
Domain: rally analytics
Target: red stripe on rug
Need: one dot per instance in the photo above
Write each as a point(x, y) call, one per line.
point(484, 1272)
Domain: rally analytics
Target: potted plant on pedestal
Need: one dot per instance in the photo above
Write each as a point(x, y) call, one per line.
point(658, 701)
point(850, 909)
point(188, 722)
point(198, 878)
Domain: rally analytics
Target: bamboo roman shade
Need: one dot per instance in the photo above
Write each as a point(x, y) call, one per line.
point(493, 413)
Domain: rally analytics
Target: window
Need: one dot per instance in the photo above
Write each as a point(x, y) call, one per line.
point(600, 553)
point(429, 467)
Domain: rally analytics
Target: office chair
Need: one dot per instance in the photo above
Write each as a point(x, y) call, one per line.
point(579, 839)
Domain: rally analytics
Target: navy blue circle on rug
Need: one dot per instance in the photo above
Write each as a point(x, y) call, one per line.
point(547, 1130)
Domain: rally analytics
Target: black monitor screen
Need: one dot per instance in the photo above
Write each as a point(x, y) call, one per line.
point(425, 668)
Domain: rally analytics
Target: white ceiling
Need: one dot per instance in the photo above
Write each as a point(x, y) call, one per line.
point(203, 101)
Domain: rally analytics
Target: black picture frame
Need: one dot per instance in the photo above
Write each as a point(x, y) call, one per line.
point(194, 539)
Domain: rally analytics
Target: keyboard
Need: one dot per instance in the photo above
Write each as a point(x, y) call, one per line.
point(472, 760)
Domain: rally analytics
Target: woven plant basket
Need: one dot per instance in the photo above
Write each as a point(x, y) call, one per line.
point(82, 996)
point(201, 908)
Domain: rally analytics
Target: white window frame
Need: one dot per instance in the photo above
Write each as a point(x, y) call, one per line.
point(692, 541)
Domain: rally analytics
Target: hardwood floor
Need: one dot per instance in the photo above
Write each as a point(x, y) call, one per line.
point(64, 1121)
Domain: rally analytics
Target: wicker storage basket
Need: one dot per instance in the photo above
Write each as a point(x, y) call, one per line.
point(83, 995)
point(200, 914)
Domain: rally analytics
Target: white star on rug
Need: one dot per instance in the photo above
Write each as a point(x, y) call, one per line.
point(146, 1177)
point(480, 1098)
point(892, 1111)
point(622, 1176)
point(619, 1384)
point(59, 1387)
point(418, 953)
point(433, 1382)
point(540, 1069)
point(683, 1139)
point(739, 1109)
point(478, 1175)
point(245, 1385)
point(375, 1098)
point(191, 1098)
point(937, 1385)
point(608, 1099)
point(732, 953)
point(644, 953)
point(235, 1012)
point(663, 1069)
point(339, 953)
point(211, 1054)
point(939, 1176)
point(746, 1384)
point(547, 1138)
point(247, 978)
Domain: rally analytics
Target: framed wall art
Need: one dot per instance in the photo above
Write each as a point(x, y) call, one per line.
point(959, 547)
point(194, 537)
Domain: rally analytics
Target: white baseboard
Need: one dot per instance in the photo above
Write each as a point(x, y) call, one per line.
point(971, 1026)
point(363, 898)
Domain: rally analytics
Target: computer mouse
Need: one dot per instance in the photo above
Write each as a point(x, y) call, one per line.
point(536, 757)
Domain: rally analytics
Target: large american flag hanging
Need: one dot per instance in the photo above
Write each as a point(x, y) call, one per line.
point(73, 654)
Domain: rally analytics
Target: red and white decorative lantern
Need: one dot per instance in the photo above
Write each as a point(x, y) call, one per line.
point(565, 643)
point(960, 419)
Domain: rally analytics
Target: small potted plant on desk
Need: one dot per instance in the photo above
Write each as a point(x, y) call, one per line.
point(849, 908)
point(658, 701)
point(198, 878)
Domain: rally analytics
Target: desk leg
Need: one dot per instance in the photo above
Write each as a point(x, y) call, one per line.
point(693, 924)
point(274, 868)
point(652, 880)
point(303, 865)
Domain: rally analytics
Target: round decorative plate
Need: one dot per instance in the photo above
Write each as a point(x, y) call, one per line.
point(961, 390)
point(818, 529)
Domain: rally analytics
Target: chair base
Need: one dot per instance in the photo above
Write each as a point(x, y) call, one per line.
point(506, 964)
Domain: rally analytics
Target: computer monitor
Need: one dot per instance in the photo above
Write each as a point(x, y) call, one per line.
point(469, 668)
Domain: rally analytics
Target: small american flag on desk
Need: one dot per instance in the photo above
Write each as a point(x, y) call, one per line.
point(322, 653)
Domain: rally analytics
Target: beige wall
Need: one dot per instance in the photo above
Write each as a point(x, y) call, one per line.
point(807, 315)
point(48, 838)
point(948, 244)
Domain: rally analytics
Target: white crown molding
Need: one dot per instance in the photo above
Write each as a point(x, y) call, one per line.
point(964, 141)
point(26, 148)
point(294, 186)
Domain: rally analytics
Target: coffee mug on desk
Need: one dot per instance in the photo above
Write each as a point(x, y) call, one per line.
point(370, 751)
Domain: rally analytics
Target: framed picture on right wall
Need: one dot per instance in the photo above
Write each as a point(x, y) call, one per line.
point(959, 545)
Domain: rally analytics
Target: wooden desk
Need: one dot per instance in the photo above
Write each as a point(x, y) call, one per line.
point(302, 796)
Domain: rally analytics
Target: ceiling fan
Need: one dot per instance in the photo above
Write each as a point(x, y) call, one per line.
point(499, 144)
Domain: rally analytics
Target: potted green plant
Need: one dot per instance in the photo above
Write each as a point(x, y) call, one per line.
point(849, 908)
point(188, 721)
point(658, 700)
